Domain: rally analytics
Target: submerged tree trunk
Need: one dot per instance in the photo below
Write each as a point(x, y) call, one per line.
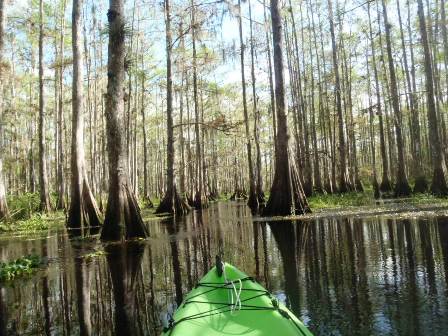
point(286, 195)
point(123, 219)
point(402, 186)
point(252, 202)
point(3, 204)
point(438, 184)
point(43, 178)
point(171, 202)
point(83, 212)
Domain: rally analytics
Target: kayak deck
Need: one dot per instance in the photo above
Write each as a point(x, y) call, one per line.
point(211, 308)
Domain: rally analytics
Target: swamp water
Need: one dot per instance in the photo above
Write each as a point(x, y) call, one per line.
point(354, 275)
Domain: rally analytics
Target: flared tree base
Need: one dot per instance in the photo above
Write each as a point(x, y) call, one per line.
point(376, 189)
point(308, 189)
point(148, 203)
point(358, 185)
point(84, 215)
point(173, 203)
point(402, 188)
point(261, 198)
point(421, 185)
point(123, 218)
point(386, 186)
point(252, 202)
point(60, 203)
point(287, 196)
point(200, 201)
point(238, 194)
point(438, 184)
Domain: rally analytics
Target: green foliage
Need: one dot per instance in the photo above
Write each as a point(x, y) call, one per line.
point(340, 200)
point(23, 206)
point(37, 222)
point(20, 267)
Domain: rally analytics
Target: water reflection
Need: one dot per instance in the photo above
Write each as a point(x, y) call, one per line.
point(345, 276)
point(124, 262)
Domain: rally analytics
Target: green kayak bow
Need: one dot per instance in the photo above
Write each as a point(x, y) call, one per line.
point(228, 302)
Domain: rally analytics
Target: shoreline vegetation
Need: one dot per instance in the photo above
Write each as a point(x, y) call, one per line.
point(26, 217)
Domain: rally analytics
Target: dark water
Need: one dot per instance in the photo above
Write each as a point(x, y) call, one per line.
point(344, 276)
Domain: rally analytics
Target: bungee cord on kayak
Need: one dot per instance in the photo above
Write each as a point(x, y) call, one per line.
point(235, 303)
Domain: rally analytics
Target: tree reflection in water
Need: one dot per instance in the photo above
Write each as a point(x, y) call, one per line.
point(341, 276)
point(124, 262)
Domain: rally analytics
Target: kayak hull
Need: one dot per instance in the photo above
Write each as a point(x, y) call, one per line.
point(207, 310)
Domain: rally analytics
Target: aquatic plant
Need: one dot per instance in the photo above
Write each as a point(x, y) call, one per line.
point(19, 267)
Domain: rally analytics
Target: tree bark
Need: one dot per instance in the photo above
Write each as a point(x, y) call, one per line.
point(60, 203)
point(200, 200)
point(171, 202)
point(3, 203)
point(271, 80)
point(43, 178)
point(343, 174)
point(83, 214)
point(252, 202)
point(123, 219)
point(402, 186)
point(256, 112)
point(286, 195)
point(438, 184)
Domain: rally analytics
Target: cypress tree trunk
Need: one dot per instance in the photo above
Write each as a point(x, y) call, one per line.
point(376, 190)
point(286, 195)
point(145, 147)
point(438, 184)
point(123, 219)
point(43, 178)
point(271, 79)
point(200, 200)
point(83, 212)
point(421, 185)
point(256, 112)
point(60, 203)
point(171, 202)
point(3, 204)
point(343, 174)
point(417, 170)
point(402, 186)
point(252, 202)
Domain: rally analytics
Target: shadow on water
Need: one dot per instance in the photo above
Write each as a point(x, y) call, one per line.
point(341, 276)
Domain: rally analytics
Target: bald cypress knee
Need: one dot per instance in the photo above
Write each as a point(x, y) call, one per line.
point(123, 219)
point(287, 196)
point(438, 183)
